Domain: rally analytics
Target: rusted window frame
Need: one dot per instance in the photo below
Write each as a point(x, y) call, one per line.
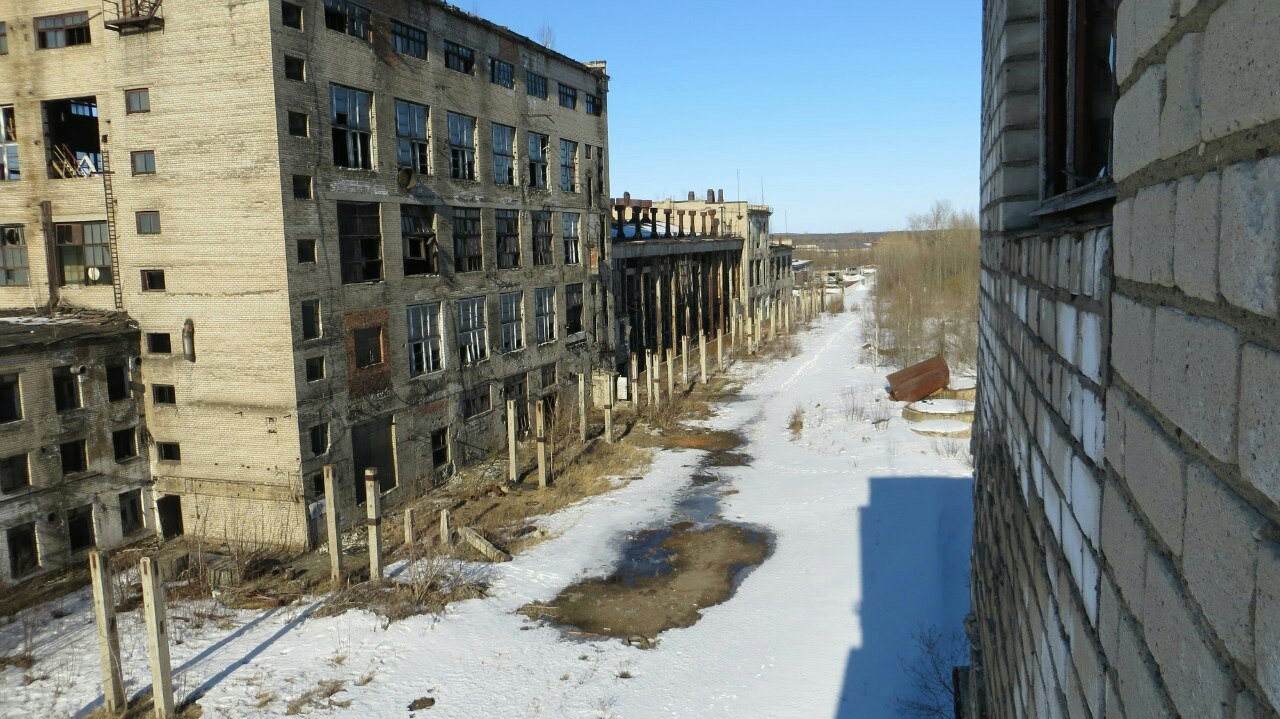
point(82, 35)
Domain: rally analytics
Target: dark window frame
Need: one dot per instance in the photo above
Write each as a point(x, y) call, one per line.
point(502, 73)
point(75, 456)
point(360, 241)
point(367, 346)
point(1079, 97)
point(408, 40)
point(60, 28)
point(10, 397)
point(348, 18)
point(413, 136)
point(137, 101)
point(148, 222)
point(473, 330)
point(503, 148)
point(426, 338)
point(295, 68)
point(535, 84)
point(594, 105)
point(73, 239)
point(303, 187)
point(459, 58)
point(15, 473)
point(299, 124)
point(15, 261)
point(569, 166)
point(539, 159)
point(67, 392)
point(475, 401)
point(160, 343)
point(148, 162)
point(511, 320)
point(306, 249)
point(468, 240)
point(118, 387)
point(543, 254)
point(462, 147)
point(312, 320)
point(574, 305)
point(291, 15)
point(169, 451)
point(568, 96)
point(152, 280)
point(506, 225)
point(124, 443)
point(314, 368)
point(351, 124)
point(165, 394)
point(421, 246)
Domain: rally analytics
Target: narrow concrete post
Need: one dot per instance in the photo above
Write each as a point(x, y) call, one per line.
point(684, 360)
point(610, 398)
point(773, 320)
point(541, 412)
point(671, 374)
point(446, 536)
point(720, 351)
point(733, 328)
point(153, 608)
point(633, 382)
point(104, 613)
point(655, 378)
point(702, 356)
point(513, 464)
point(331, 524)
point(583, 404)
point(410, 534)
point(648, 377)
point(373, 502)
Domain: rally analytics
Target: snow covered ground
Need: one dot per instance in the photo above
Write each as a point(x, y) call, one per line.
point(871, 526)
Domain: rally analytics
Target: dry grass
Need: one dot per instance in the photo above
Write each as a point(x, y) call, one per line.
point(319, 697)
point(853, 405)
point(835, 305)
point(795, 422)
point(953, 449)
point(430, 586)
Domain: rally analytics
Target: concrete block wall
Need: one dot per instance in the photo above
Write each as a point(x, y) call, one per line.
point(1128, 495)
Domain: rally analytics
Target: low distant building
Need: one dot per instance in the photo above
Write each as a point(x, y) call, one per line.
point(73, 467)
point(802, 271)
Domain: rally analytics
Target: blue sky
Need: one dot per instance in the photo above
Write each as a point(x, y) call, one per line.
point(853, 113)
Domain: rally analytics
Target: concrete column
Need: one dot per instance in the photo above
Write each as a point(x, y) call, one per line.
point(648, 376)
point(410, 533)
point(104, 614)
point(680, 220)
point(666, 214)
point(513, 462)
point(702, 346)
point(543, 473)
point(583, 404)
point(154, 610)
point(671, 374)
point(672, 300)
point(773, 320)
point(659, 319)
point(331, 524)
point(712, 222)
point(684, 360)
point(633, 382)
point(373, 503)
point(720, 351)
point(610, 398)
point(446, 535)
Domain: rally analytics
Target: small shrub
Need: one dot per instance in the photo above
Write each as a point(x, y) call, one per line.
point(796, 422)
point(932, 695)
point(835, 304)
point(853, 405)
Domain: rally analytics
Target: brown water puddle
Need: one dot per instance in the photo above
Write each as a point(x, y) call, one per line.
point(707, 440)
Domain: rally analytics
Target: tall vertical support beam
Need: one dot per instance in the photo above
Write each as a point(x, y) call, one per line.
point(675, 330)
point(583, 404)
point(633, 381)
point(671, 374)
point(155, 612)
point(544, 475)
point(446, 534)
point(104, 614)
point(720, 351)
point(611, 398)
point(659, 319)
point(513, 461)
point(648, 377)
point(702, 347)
point(410, 531)
point(773, 319)
point(684, 360)
point(331, 524)
point(655, 379)
point(373, 503)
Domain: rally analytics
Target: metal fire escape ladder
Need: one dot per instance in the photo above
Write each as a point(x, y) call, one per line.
point(112, 234)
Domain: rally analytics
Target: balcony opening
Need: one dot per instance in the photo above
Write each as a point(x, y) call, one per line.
point(72, 139)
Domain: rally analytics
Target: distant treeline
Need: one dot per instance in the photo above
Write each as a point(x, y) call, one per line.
point(834, 240)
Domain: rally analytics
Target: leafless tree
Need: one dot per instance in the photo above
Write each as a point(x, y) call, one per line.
point(932, 695)
point(547, 37)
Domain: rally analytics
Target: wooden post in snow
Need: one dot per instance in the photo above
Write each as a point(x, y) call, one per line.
point(513, 464)
point(583, 404)
point(410, 534)
point(373, 502)
point(541, 416)
point(104, 614)
point(331, 524)
point(610, 399)
point(153, 609)
point(446, 536)
point(702, 356)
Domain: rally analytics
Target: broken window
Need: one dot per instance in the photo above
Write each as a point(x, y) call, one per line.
point(72, 139)
point(295, 68)
point(539, 149)
point(504, 155)
point(352, 130)
point(10, 398)
point(152, 280)
point(473, 341)
point(475, 401)
point(148, 222)
point(302, 187)
point(360, 241)
point(502, 73)
point(84, 255)
point(311, 326)
point(459, 57)
point(130, 511)
point(168, 451)
point(159, 343)
point(408, 40)
point(421, 251)
point(137, 100)
point(291, 15)
point(1080, 93)
point(440, 447)
point(315, 368)
point(75, 457)
point(468, 249)
point(15, 474)
point(10, 168)
point(512, 320)
point(411, 137)
point(144, 162)
point(462, 147)
point(568, 166)
point(319, 436)
point(594, 106)
point(125, 442)
point(62, 30)
point(542, 254)
point(299, 124)
point(550, 375)
point(568, 96)
point(516, 388)
point(306, 252)
point(367, 343)
point(535, 84)
point(66, 389)
point(80, 528)
point(347, 17)
point(372, 445)
point(507, 223)
point(118, 382)
point(544, 314)
point(573, 308)
point(13, 256)
point(163, 394)
point(569, 220)
point(426, 354)
point(23, 557)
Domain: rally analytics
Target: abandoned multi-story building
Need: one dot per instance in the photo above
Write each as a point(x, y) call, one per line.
point(73, 468)
point(1126, 558)
point(345, 230)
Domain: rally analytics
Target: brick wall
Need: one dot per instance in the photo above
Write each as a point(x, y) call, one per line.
point(1125, 558)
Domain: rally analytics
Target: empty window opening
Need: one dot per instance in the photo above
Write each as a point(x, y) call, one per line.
point(10, 398)
point(62, 30)
point(72, 138)
point(360, 241)
point(131, 511)
point(10, 168)
point(74, 456)
point(302, 187)
point(1080, 93)
point(319, 436)
point(153, 280)
point(169, 509)
point(459, 57)
point(511, 313)
point(169, 451)
point(476, 401)
point(504, 155)
point(372, 445)
point(568, 96)
point(352, 129)
point(23, 557)
point(311, 324)
point(569, 221)
point(473, 342)
point(568, 166)
point(299, 124)
point(367, 343)
point(507, 223)
point(468, 247)
point(544, 314)
point(144, 162)
point(594, 105)
point(84, 255)
point(550, 375)
point(408, 40)
point(13, 256)
point(295, 68)
point(315, 369)
point(291, 15)
point(542, 253)
point(125, 443)
point(412, 151)
point(118, 382)
point(137, 100)
point(516, 388)
point(80, 528)
point(421, 251)
point(163, 394)
point(66, 388)
point(573, 308)
point(306, 252)
point(347, 17)
point(14, 474)
point(535, 84)
point(159, 343)
point(502, 73)
point(425, 339)
point(440, 448)
point(539, 149)
point(462, 147)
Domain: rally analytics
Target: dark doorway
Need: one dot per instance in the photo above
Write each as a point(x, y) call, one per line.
point(80, 528)
point(169, 507)
point(371, 446)
point(23, 557)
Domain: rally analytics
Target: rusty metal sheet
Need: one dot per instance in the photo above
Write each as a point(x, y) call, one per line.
point(919, 381)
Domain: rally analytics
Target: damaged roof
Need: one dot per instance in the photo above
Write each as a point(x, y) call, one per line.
point(26, 329)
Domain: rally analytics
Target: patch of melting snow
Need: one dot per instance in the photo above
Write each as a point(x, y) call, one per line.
point(941, 406)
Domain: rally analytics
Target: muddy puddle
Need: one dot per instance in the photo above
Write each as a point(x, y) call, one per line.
point(667, 575)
